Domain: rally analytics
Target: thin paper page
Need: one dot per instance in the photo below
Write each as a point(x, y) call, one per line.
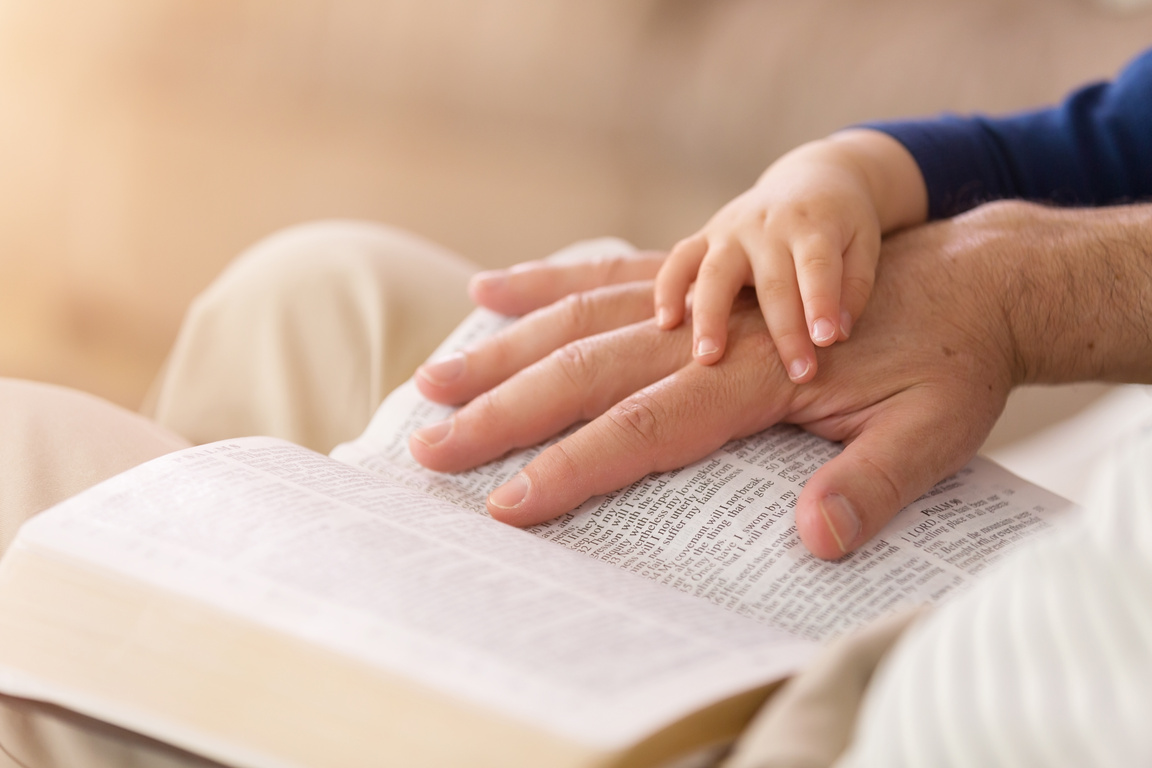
point(723, 529)
point(320, 550)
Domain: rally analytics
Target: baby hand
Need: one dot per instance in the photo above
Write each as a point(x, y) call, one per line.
point(807, 236)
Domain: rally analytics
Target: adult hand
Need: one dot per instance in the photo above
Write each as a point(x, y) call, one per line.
point(961, 311)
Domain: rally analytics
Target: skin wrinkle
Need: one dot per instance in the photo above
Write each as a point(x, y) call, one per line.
point(559, 453)
point(751, 333)
point(772, 289)
point(572, 361)
point(638, 420)
point(610, 268)
point(491, 402)
point(713, 382)
point(891, 487)
point(500, 351)
point(576, 312)
point(635, 346)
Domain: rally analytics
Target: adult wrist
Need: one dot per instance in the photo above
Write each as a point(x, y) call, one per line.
point(1075, 288)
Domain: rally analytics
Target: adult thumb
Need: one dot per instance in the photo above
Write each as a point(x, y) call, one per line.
point(899, 454)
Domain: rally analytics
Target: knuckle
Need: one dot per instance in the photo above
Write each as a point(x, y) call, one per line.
point(489, 408)
point(886, 484)
point(609, 269)
point(638, 421)
point(790, 218)
point(713, 269)
point(576, 312)
point(685, 247)
point(773, 289)
point(574, 362)
point(749, 219)
point(817, 259)
point(559, 460)
point(801, 211)
point(497, 353)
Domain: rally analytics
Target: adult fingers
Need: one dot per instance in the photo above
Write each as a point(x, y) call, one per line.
point(661, 427)
point(724, 271)
point(676, 274)
point(908, 444)
point(463, 375)
point(859, 274)
point(818, 272)
point(575, 383)
point(536, 284)
point(779, 297)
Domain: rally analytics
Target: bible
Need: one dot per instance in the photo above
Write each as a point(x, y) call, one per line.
point(266, 606)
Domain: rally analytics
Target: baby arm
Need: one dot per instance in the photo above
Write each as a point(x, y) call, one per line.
point(807, 236)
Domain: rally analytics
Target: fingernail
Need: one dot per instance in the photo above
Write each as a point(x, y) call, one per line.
point(512, 493)
point(823, 330)
point(434, 434)
point(798, 369)
point(846, 322)
point(663, 316)
point(490, 279)
point(443, 371)
point(842, 520)
point(706, 346)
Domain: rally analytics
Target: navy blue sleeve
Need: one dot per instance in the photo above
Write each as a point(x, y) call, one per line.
point(1093, 149)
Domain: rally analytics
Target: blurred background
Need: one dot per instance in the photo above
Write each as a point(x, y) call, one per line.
point(144, 144)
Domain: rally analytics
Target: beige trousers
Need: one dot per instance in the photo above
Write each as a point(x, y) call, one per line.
point(301, 338)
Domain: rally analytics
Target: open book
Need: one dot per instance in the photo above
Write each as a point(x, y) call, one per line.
point(267, 606)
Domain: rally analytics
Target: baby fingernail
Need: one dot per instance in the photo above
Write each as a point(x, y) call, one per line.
point(846, 322)
point(443, 371)
point(663, 316)
point(706, 346)
point(798, 369)
point(823, 330)
point(434, 434)
point(512, 493)
point(842, 521)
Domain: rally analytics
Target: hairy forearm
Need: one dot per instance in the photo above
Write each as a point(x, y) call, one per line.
point(1077, 290)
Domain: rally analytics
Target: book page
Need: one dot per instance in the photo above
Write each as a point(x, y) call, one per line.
point(723, 529)
point(321, 551)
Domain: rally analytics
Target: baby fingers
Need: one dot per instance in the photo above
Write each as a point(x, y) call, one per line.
point(724, 271)
point(780, 303)
point(859, 273)
point(677, 273)
point(819, 266)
